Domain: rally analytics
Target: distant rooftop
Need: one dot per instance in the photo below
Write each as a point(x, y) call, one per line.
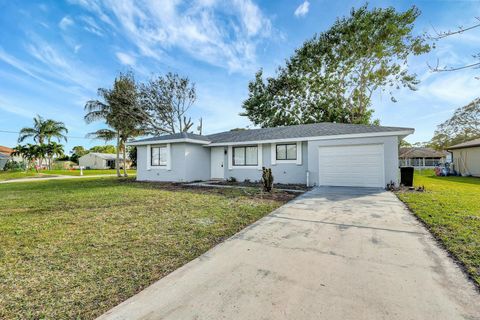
point(419, 152)
point(6, 150)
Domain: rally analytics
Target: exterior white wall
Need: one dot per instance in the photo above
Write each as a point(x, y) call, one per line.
point(197, 162)
point(282, 172)
point(390, 155)
point(92, 161)
point(188, 162)
point(467, 161)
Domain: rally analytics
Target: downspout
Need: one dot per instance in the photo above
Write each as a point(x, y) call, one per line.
point(308, 178)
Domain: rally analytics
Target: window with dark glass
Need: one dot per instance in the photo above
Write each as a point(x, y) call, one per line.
point(287, 151)
point(158, 156)
point(245, 156)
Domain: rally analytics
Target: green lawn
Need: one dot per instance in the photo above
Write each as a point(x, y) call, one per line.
point(86, 172)
point(72, 249)
point(451, 209)
point(8, 175)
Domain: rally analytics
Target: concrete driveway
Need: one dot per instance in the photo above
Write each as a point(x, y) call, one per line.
point(332, 253)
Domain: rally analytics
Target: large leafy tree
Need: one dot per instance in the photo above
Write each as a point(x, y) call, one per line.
point(463, 126)
point(333, 76)
point(120, 111)
point(165, 103)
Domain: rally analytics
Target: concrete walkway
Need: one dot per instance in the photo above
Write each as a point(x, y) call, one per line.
point(332, 253)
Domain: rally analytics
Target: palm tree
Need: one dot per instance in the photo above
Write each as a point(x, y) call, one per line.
point(24, 152)
point(53, 149)
point(118, 111)
point(30, 153)
point(44, 130)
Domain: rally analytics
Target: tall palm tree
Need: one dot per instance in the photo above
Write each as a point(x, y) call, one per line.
point(97, 110)
point(117, 110)
point(44, 130)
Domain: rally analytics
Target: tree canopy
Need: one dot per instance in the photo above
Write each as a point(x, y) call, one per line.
point(165, 102)
point(103, 149)
point(463, 126)
point(333, 76)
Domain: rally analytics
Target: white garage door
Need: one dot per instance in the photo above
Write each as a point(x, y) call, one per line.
point(356, 166)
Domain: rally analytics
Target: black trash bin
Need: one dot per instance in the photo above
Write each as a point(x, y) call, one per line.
point(406, 176)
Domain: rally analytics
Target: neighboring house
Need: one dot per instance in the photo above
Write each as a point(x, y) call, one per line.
point(421, 157)
point(5, 155)
point(3, 160)
point(95, 160)
point(466, 158)
point(313, 154)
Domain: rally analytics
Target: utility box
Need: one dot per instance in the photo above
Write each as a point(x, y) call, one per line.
point(406, 176)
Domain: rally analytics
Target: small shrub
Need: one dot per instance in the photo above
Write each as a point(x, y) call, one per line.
point(267, 179)
point(232, 179)
point(14, 166)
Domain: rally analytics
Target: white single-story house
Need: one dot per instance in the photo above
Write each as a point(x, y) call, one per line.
point(466, 158)
point(96, 160)
point(330, 154)
point(421, 157)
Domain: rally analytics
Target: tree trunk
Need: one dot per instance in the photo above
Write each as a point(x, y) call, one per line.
point(124, 160)
point(117, 162)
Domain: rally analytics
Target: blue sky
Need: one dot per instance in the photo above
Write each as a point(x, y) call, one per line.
point(54, 55)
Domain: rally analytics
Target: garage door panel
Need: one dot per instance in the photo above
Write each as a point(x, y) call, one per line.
point(359, 165)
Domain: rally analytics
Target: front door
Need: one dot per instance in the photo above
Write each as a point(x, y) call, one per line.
point(216, 163)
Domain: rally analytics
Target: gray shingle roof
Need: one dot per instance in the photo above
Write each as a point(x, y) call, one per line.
point(298, 131)
point(468, 144)
point(286, 132)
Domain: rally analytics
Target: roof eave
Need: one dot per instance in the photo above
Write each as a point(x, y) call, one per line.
point(463, 147)
point(165, 141)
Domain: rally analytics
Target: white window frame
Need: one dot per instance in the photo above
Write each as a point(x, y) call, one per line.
point(273, 154)
point(149, 157)
point(259, 157)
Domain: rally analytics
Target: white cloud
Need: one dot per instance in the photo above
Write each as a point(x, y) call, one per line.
point(92, 26)
point(224, 35)
point(454, 88)
point(126, 58)
point(65, 22)
point(93, 6)
point(302, 9)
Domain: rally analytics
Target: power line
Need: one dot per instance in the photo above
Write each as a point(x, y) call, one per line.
point(69, 137)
